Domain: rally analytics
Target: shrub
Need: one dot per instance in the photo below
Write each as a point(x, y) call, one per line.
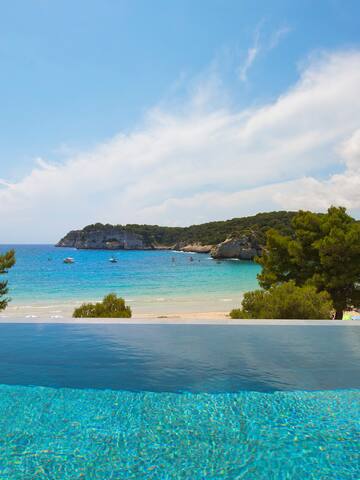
point(285, 301)
point(111, 307)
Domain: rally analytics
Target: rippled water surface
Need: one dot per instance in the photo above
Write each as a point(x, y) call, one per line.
point(179, 402)
point(79, 434)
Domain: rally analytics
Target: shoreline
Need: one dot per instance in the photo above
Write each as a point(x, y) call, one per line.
point(171, 314)
point(175, 321)
point(42, 313)
point(151, 308)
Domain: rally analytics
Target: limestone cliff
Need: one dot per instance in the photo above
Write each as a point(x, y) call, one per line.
point(105, 238)
point(241, 238)
point(192, 247)
point(245, 247)
point(109, 237)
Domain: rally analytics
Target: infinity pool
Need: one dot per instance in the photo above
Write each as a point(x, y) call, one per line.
point(179, 402)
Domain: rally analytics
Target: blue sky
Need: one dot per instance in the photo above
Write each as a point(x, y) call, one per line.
point(80, 77)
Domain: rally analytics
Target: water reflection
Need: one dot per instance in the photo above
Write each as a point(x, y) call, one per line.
point(173, 358)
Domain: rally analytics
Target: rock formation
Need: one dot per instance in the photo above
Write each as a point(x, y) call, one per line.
point(245, 247)
point(105, 238)
point(192, 247)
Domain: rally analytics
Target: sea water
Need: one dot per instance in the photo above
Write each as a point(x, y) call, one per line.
point(150, 281)
point(178, 402)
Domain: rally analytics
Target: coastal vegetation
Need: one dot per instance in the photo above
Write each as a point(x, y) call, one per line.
point(324, 251)
point(285, 301)
point(321, 255)
point(111, 306)
point(133, 236)
point(7, 260)
point(212, 233)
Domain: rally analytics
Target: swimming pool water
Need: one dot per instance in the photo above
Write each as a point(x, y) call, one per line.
point(179, 402)
point(76, 434)
point(178, 358)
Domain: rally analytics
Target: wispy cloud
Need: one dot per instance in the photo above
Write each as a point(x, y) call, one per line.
point(206, 162)
point(251, 54)
point(4, 183)
point(257, 47)
point(278, 35)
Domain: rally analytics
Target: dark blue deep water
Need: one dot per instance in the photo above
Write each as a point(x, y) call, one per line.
point(176, 358)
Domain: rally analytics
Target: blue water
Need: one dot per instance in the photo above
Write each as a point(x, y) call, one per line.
point(177, 358)
point(69, 434)
point(149, 280)
point(179, 402)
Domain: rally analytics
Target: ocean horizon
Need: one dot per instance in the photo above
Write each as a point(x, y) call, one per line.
point(152, 282)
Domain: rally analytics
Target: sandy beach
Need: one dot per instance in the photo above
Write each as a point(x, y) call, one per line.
point(155, 308)
point(195, 320)
point(58, 312)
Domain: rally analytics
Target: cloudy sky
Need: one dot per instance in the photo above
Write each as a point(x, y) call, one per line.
point(175, 112)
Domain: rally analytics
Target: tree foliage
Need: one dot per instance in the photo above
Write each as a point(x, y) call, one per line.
point(324, 251)
point(7, 260)
point(111, 307)
point(209, 233)
point(286, 301)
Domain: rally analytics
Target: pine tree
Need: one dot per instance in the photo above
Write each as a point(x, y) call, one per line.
point(324, 251)
point(7, 260)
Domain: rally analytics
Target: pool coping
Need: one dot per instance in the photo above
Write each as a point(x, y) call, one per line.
point(174, 321)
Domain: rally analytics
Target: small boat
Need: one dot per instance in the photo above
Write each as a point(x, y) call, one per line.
point(113, 260)
point(69, 260)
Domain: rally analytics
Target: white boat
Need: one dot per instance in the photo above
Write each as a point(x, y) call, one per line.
point(69, 260)
point(112, 260)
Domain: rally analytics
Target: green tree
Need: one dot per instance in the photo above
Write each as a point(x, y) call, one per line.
point(324, 251)
point(285, 301)
point(7, 260)
point(111, 307)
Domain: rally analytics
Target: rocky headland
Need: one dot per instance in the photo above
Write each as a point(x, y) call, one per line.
point(245, 247)
point(241, 238)
point(108, 238)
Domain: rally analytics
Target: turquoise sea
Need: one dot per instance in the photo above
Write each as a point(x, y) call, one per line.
point(158, 282)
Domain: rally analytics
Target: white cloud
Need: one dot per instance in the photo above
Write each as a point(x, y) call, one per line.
point(257, 47)
point(340, 189)
point(251, 55)
point(300, 151)
point(278, 35)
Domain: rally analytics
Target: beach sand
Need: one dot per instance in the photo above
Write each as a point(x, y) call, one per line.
point(65, 311)
point(157, 308)
point(172, 313)
point(195, 320)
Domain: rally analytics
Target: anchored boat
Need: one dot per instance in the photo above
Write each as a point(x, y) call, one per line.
point(69, 260)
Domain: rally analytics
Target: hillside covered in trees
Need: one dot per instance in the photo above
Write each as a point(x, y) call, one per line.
point(212, 233)
point(153, 236)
